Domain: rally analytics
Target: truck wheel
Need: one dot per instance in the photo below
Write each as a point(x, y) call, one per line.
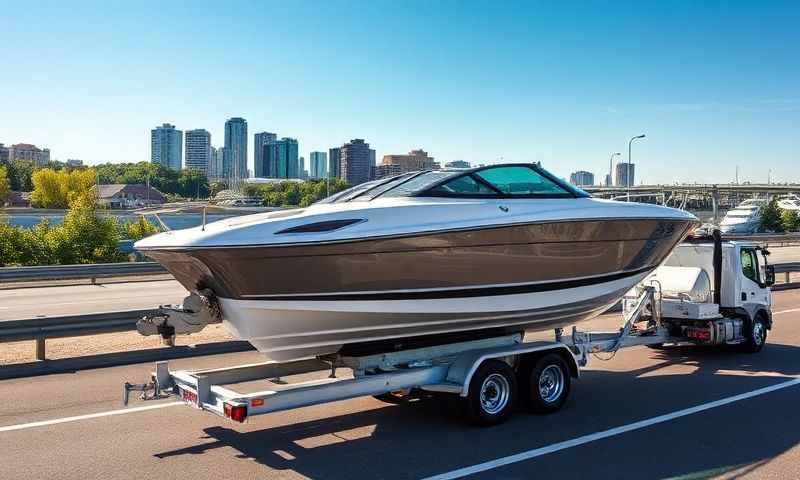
point(547, 384)
point(757, 336)
point(492, 392)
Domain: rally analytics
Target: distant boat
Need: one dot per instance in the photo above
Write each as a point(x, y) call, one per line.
point(745, 218)
point(789, 202)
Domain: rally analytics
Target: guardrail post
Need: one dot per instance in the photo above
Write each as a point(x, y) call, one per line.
point(788, 277)
point(40, 353)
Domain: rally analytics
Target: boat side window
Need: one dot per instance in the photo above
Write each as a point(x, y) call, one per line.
point(749, 264)
point(522, 180)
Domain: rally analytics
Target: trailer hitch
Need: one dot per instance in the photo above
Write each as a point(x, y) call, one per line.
point(159, 386)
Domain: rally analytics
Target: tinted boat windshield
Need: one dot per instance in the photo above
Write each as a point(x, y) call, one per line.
point(495, 181)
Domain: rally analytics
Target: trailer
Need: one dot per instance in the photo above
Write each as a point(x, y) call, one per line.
point(678, 304)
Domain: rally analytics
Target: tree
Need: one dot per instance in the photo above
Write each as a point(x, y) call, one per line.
point(19, 174)
point(790, 220)
point(57, 188)
point(85, 236)
point(771, 217)
point(5, 185)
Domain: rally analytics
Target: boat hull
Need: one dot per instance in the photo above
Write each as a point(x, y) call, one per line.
point(293, 301)
point(286, 330)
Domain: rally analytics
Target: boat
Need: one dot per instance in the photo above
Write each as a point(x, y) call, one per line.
point(790, 202)
point(421, 256)
point(745, 218)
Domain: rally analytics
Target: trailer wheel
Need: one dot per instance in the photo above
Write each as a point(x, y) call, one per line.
point(398, 397)
point(757, 336)
point(492, 392)
point(548, 384)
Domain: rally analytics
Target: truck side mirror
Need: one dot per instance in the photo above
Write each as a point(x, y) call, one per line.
point(770, 274)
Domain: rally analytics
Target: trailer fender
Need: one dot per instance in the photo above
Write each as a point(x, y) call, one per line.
point(467, 363)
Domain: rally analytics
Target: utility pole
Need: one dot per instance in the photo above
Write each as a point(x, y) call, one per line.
point(628, 176)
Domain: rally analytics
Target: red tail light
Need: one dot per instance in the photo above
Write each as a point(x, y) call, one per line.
point(237, 413)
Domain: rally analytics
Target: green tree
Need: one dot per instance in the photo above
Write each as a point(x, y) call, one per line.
point(771, 217)
point(137, 229)
point(85, 236)
point(5, 185)
point(790, 220)
point(19, 175)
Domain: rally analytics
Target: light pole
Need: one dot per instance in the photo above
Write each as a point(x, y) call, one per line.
point(611, 168)
point(628, 175)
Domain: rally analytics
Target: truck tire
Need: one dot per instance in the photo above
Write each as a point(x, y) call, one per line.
point(492, 393)
point(756, 336)
point(547, 384)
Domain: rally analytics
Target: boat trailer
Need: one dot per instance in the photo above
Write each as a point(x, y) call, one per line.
point(486, 373)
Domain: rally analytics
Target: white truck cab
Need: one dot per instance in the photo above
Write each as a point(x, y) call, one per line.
point(717, 292)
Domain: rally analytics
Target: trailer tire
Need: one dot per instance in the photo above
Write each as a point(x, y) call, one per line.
point(492, 392)
point(547, 384)
point(756, 335)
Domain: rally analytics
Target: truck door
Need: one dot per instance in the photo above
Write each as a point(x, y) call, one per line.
point(754, 291)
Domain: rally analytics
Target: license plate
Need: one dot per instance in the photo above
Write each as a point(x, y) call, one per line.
point(189, 397)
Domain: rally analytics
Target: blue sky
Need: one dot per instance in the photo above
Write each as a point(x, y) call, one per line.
point(712, 84)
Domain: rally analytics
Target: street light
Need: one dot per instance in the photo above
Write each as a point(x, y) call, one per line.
point(628, 176)
point(611, 168)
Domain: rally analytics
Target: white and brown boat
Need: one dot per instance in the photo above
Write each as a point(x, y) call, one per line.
point(505, 247)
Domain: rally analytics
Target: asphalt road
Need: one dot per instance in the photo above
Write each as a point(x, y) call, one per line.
point(754, 437)
point(21, 303)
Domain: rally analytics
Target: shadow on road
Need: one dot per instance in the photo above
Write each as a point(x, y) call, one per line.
point(428, 437)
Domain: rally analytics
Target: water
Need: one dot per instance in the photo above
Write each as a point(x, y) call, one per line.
point(175, 221)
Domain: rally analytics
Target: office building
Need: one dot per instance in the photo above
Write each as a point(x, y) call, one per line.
point(28, 153)
point(623, 177)
point(198, 150)
point(234, 160)
point(166, 146)
point(385, 171)
point(74, 163)
point(301, 168)
point(415, 160)
point(334, 162)
point(581, 178)
point(457, 164)
point(318, 167)
point(215, 163)
point(354, 162)
point(609, 180)
point(3, 154)
point(259, 140)
point(280, 160)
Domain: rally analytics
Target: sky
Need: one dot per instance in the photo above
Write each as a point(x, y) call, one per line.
point(713, 84)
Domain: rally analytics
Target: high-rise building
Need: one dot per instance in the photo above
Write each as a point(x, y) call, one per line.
point(318, 164)
point(301, 167)
point(166, 146)
point(259, 140)
point(3, 154)
point(198, 150)
point(623, 177)
point(609, 180)
point(355, 161)
point(414, 161)
point(28, 153)
point(581, 178)
point(334, 162)
point(457, 164)
point(234, 161)
point(280, 159)
point(371, 157)
point(215, 165)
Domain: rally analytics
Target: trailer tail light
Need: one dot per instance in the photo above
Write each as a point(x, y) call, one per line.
point(237, 413)
point(701, 335)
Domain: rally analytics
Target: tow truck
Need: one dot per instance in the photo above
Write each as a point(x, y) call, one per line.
point(709, 291)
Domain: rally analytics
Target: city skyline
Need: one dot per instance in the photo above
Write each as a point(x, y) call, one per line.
point(553, 84)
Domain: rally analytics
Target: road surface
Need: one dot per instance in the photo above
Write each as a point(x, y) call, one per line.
point(606, 430)
point(21, 303)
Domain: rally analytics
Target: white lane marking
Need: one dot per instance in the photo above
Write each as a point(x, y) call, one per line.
point(123, 411)
point(787, 311)
point(556, 447)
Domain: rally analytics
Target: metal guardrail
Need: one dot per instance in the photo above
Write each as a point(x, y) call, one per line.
point(771, 238)
point(40, 329)
point(787, 269)
point(74, 272)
